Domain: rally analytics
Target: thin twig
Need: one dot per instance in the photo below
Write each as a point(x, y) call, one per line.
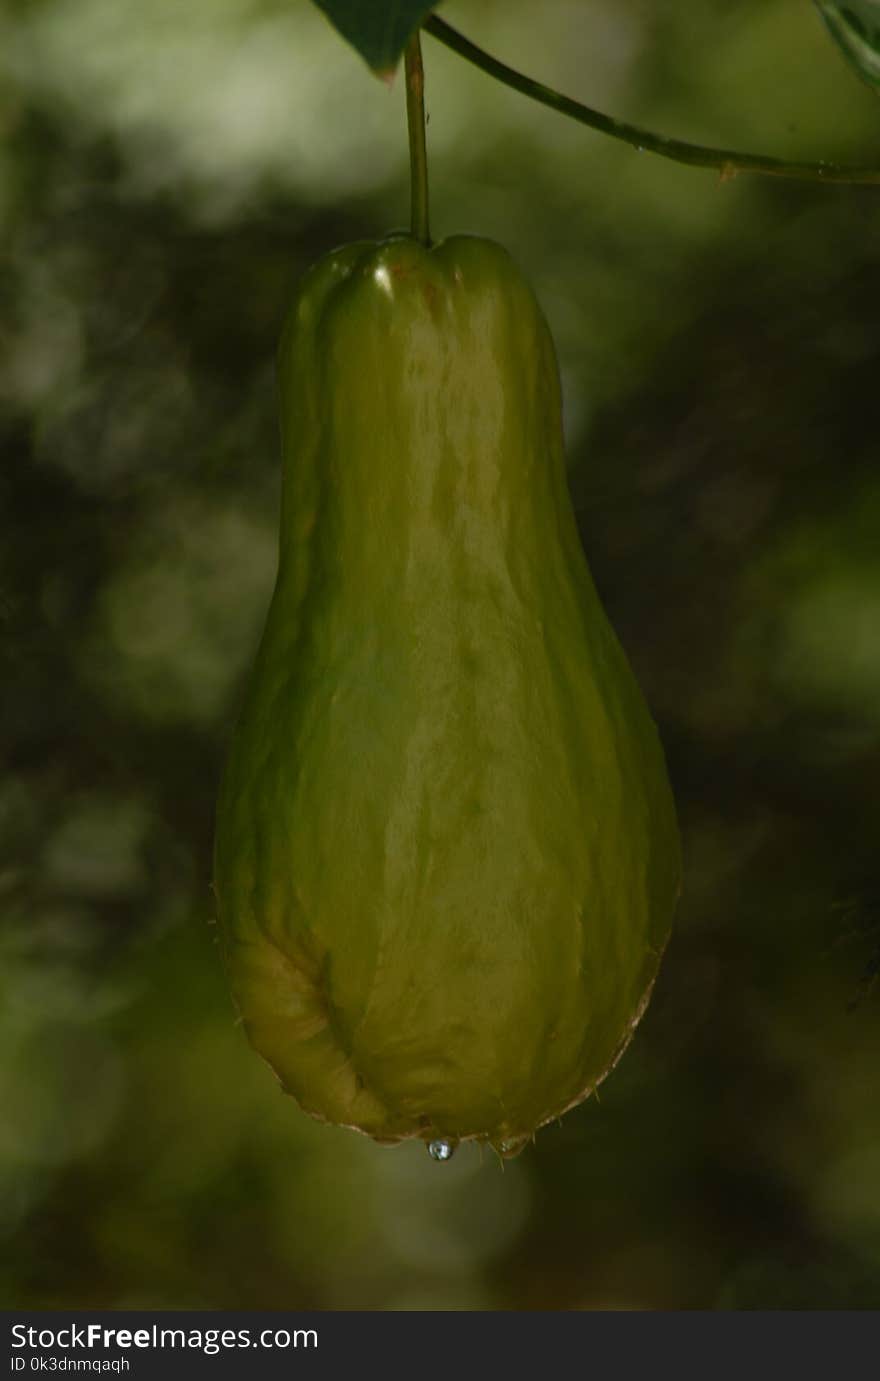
point(726, 161)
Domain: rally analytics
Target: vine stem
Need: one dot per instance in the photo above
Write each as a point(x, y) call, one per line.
point(727, 161)
point(418, 153)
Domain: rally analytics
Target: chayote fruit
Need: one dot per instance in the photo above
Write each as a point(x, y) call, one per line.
point(446, 854)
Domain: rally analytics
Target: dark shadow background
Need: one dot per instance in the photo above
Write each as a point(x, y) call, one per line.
point(167, 174)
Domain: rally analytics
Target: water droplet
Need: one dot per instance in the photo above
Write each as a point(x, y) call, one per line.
point(441, 1149)
point(511, 1146)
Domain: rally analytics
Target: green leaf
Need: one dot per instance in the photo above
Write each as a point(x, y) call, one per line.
point(855, 24)
point(378, 29)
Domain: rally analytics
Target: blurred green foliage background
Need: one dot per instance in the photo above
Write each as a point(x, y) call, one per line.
point(167, 173)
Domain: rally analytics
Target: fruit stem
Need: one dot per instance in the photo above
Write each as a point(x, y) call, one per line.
point(418, 153)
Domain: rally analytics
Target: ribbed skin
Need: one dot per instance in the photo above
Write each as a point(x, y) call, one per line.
point(446, 856)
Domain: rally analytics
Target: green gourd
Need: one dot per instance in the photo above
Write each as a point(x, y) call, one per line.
point(446, 855)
